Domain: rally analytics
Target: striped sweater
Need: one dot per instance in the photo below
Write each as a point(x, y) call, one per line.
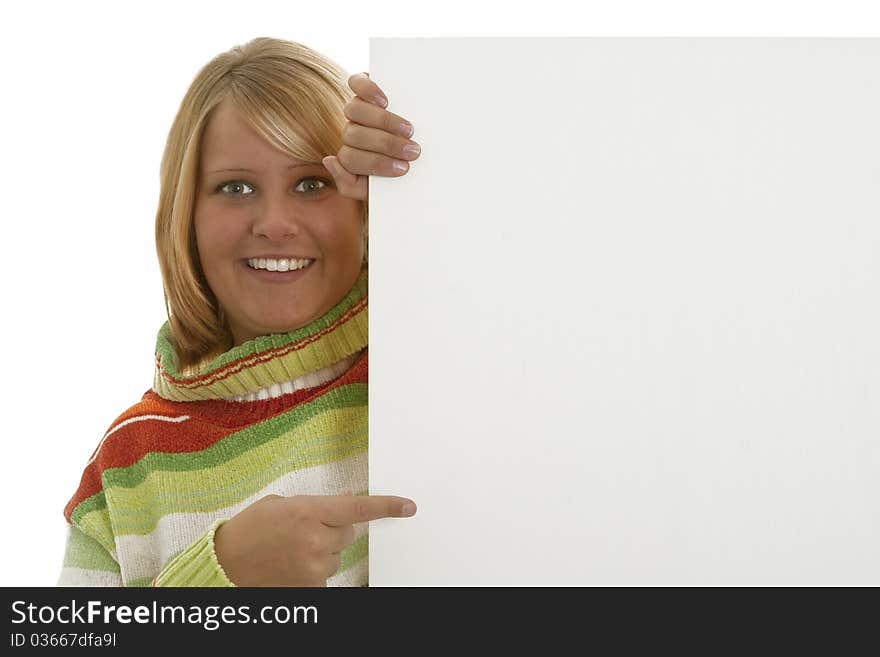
point(282, 414)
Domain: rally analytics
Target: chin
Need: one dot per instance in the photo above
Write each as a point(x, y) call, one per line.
point(287, 327)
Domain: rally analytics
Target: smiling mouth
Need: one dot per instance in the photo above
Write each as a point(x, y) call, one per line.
point(280, 264)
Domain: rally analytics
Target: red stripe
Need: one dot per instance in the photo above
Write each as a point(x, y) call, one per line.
point(209, 422)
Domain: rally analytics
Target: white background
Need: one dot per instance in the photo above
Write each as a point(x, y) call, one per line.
point(89, 90)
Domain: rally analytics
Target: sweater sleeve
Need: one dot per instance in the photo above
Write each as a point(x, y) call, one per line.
point(197, 565)
point(87, 562)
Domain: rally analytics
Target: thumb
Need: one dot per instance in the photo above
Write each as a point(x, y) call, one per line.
point(348, 184)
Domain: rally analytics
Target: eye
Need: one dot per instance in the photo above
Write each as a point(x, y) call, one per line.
point(233, 184)
point(323, 182)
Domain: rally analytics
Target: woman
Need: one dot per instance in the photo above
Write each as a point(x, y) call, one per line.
point(246, 463)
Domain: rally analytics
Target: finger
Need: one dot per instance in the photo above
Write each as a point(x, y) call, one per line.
point(374, 140)
point(371, 164)
point(341, 175)
point(351, 509)
point(347, 184)
point(364, 113)
point(364, 87)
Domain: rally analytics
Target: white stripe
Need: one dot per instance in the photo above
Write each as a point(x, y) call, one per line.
point(139, 418)
point(144, 555)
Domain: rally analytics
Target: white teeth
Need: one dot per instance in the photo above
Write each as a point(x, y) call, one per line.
point(285, 264)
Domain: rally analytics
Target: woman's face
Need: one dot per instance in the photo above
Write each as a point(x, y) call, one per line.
point(255, 201)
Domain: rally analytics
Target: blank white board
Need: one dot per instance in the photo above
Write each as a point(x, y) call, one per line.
point(625, 312)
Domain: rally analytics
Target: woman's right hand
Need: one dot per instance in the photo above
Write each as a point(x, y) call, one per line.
point(373, 141)
point(296, 541)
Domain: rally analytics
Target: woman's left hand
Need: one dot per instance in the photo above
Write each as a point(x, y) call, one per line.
point(373, 141)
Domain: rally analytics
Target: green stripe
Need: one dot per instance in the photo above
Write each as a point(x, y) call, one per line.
point(354, 553)
point(96, 502)
point(87, 553)
point(97, 524)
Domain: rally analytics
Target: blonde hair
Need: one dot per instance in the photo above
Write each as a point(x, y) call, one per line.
point(291, 95)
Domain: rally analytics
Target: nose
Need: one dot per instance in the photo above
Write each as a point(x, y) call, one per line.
point(277, 218)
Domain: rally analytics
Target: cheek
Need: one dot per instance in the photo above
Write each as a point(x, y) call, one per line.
point(342, 238)
point(213, 241)
point(341, 227)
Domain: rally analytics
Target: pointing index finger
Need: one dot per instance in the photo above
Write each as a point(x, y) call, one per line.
point(351, 509)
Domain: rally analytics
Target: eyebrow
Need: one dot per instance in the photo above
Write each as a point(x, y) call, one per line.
point(292, 166)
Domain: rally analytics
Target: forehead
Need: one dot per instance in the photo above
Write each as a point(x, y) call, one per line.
point(228, 141)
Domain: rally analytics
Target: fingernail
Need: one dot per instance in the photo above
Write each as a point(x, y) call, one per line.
point(405, 129)
point(382, 100)
point(408, 509)
point(400, 166)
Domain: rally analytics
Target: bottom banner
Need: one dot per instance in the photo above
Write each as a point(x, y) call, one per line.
point(437, 618)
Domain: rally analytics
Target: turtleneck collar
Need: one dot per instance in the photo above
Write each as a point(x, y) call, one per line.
point(271, 364)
